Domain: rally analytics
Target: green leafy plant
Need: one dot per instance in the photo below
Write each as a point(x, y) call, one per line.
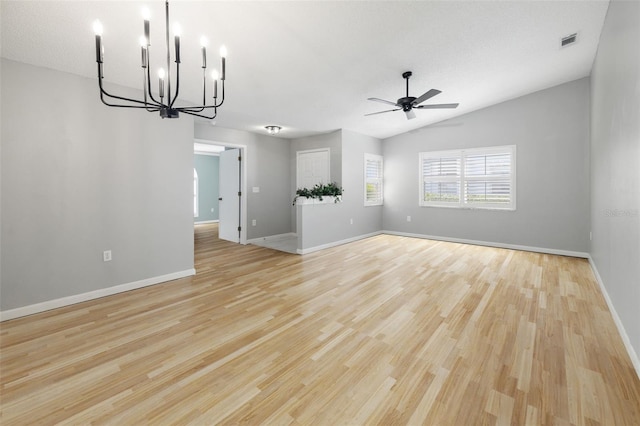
point(320, 190)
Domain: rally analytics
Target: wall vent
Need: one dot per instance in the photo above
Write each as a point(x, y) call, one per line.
point(568, 40)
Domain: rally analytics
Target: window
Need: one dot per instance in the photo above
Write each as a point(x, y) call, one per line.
point(195, 193)
point(373, 171)
point(470, 178)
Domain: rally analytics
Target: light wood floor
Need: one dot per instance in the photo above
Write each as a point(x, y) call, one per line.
point(389, 330)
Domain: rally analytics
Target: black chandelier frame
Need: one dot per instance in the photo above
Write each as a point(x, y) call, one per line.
point(150, 103)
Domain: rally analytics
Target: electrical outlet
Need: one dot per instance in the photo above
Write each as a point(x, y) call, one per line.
point(590, 236)
point(408, 218)
point(106, 256)
point(256, 189)
point(351, 221)
point(253, 222)
point(212, 209)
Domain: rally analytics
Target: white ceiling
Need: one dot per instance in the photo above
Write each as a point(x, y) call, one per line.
point(309, 66)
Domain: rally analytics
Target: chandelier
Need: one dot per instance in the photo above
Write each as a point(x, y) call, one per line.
point(165, 105)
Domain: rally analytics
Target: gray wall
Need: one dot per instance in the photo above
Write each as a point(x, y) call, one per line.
point(267, 163)
point(615, 163)
point(327, 223)
point(79, 178)
point(551, 131)
point(208, 167)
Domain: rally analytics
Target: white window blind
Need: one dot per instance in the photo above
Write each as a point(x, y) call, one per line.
point(473, 178)
point(373, 180)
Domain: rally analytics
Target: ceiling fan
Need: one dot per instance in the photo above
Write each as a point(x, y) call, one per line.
point(409, 103)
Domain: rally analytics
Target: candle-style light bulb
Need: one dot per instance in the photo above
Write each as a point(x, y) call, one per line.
point(146, 15)
point(223, 54)
point(97, 29)
point(214, 76)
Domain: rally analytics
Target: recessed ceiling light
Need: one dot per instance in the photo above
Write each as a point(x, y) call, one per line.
point(570, 39)
point(273, 130)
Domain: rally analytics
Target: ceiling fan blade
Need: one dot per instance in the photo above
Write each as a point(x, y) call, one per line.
point(410, 114)
point(380, 112)
point(437, 106)
point(382, 100)
point(428, 95)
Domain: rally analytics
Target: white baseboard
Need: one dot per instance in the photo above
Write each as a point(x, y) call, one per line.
point(623, 333)
point(338, 243)
point(205, 221)
point(492, 244)
point(271, 237)
point(77, 298)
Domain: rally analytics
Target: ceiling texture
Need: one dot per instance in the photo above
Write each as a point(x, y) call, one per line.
point(309, 66)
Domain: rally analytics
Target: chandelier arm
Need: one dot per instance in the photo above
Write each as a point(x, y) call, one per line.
point(105, 93)
point(149, 80)
point(204, 96)
point(177, 85)
point(204, 106)
point(144, 86)
point(222, 101)
point(200, 115)
point(126, 106)
point(204, 86)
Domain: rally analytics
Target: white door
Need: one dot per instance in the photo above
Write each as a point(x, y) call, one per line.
point(312, 168)
point(229, 201)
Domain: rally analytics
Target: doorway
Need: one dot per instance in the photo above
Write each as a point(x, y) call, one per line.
point(231, 188)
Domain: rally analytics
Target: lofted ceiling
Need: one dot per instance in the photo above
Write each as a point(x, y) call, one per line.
point(309, 66)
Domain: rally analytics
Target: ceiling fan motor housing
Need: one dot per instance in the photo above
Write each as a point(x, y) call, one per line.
point(406, 103)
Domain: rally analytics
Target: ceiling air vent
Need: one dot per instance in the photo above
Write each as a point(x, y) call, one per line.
point(568, 40)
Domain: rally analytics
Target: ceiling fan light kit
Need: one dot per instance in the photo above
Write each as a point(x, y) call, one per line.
point(166, 107)
point(408, 103)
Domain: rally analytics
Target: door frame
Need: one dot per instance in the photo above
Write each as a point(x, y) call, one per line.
point(243, 184)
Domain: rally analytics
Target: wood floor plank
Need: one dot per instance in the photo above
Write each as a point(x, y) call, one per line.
point(387, 330)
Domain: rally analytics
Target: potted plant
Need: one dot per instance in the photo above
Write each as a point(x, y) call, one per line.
point(319, 191)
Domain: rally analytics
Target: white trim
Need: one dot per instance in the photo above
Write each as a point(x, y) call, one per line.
point(326, 199)
point(201, 222)
point(616, 319)
point(337, 243)
point(96, 294)
point(210, 154)
point(493, 244)
point(272, 237)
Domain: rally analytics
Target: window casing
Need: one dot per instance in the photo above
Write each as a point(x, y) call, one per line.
point(483, 178)
point(373, 180)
